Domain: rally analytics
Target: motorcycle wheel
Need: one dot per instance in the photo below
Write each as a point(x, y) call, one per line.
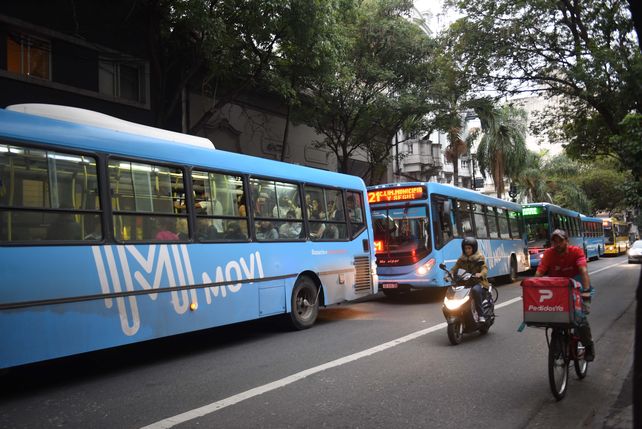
point(557, 366)
point(581, 366)
point(455, 332)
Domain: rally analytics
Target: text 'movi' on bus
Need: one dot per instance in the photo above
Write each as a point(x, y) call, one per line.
point(113, 233)
point(419, 225)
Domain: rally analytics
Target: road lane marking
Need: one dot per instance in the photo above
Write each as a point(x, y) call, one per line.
point(606, 268)
point(235, 399)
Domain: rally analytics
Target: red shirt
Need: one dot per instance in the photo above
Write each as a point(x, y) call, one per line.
point(565, 264)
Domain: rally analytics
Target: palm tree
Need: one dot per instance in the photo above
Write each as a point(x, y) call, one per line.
point(532, 180)
point(502, 150)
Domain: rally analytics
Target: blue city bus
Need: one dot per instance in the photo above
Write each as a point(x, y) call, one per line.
point(113, 233)
point(593, 235)
point(419, 225)
point(541, 219)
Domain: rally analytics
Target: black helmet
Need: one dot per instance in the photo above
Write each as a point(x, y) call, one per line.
point(469, 241)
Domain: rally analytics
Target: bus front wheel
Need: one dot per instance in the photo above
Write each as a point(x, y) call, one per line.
point(305, 304)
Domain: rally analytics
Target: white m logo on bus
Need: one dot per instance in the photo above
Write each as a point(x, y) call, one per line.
point(545, 294)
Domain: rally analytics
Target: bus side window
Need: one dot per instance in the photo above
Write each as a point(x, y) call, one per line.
point(143, 202)
point(492, 222)
point(441, 220)
point(55, 191)
point(354, 208)
point(464, 220)
point(480, 221)
point(513, 218)
point(504, 229)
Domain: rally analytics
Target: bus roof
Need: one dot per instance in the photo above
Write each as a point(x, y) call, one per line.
point(554, 208)
point(590, 218)
point(157, 146)
point(452, 191)
point(100, 120)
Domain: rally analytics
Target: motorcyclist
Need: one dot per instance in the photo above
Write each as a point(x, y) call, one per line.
point(473, 262)
point(564, 260)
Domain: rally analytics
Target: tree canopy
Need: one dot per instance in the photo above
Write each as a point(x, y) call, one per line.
point(380, 85)
point(585, 52)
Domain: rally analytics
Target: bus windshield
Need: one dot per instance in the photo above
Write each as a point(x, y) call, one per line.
point(537, 229)
point(608, 235)
point(402, 233)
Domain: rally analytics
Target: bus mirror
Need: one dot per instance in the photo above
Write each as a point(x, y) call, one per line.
point(442, 266)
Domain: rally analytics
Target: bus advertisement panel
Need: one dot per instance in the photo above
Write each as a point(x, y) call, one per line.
point(111, 235)
point(419, 225)
point(541, 219)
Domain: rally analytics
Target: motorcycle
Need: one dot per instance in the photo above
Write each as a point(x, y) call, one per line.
point(459, 306)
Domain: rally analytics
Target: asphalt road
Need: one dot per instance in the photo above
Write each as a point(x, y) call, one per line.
point(378, 363)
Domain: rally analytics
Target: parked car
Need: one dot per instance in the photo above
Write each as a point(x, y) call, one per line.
point(635, 252)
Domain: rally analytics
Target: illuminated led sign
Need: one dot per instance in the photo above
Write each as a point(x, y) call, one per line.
point(405, 193)
point(531, 211)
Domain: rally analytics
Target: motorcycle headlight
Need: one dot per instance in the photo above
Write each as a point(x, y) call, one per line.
point(425, 268)
point(453, 304)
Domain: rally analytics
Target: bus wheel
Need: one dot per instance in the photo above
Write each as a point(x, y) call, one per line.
point(513, 270)
point(305, 304)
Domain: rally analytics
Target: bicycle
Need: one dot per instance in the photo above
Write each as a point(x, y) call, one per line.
point(555, 303)
point(564, 346)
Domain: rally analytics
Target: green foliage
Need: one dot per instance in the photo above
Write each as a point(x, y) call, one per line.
point(502, 150)
point(380, 83)
point(585, 187)
point(585, 53)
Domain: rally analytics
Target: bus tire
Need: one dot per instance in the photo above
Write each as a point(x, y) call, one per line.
point(512, 276)
point(305, 304)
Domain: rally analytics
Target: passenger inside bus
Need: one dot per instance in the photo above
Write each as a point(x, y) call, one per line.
point(233, 231)
point(266, 231)
point(290, 229)
point(64, 228)
point(166, 229)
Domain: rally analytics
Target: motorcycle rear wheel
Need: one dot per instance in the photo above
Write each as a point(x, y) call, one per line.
point(455, 332)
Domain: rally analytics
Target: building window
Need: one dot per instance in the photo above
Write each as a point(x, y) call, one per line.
point(465, 163)
point(410, 148)
point(122, 80)
point(29, 56)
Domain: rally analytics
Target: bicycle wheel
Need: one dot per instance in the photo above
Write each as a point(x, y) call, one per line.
point(558, 364)
point(581, 366)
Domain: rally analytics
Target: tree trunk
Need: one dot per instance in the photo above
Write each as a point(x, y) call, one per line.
point(286, 132)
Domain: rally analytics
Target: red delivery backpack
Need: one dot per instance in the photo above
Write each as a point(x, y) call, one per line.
point(552, 301)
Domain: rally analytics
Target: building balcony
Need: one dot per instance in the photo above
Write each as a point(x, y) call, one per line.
point(417, 159)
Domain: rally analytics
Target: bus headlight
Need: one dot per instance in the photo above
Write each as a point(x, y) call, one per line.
point(454, 304)
point(425, 268)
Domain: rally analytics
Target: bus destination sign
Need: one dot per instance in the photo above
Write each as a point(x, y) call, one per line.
point(532, 211)
point(405, 193)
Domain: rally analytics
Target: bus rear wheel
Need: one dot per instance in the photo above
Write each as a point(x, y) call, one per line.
point(305, 304)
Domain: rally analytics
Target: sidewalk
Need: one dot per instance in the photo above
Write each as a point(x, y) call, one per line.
point(617, 409)
point(620, 414)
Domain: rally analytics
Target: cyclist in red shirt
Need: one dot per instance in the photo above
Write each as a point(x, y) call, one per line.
point(564, 260)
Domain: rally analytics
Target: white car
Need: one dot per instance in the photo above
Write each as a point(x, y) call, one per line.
point(635, 252)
